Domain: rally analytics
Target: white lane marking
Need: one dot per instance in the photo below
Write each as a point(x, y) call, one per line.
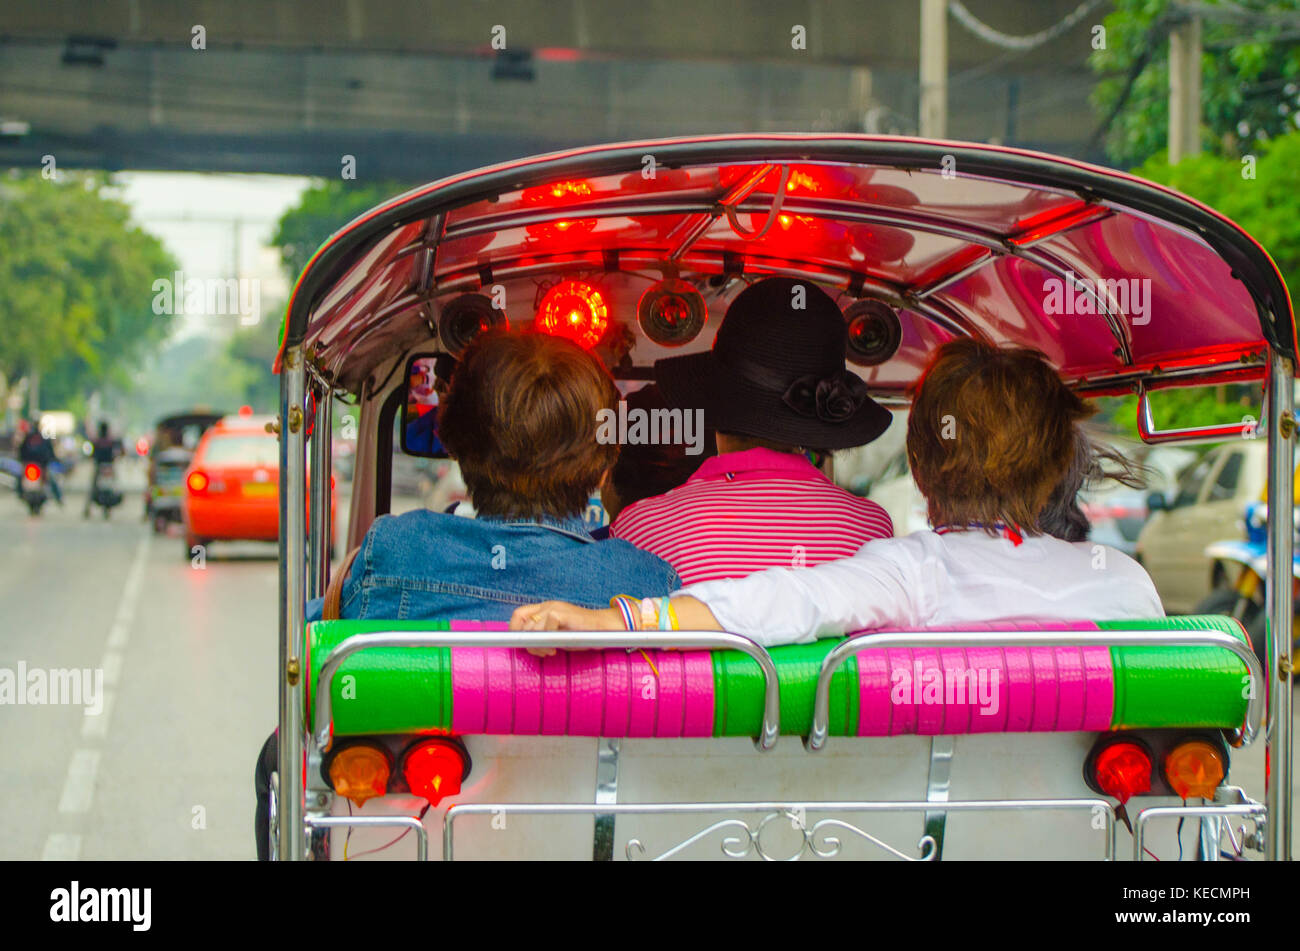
point(117, 634)
point(79, 787)
point(61, 847)
point(97, 725)
point(112, 667)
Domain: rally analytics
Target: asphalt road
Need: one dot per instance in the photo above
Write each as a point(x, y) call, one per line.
point(165, 769)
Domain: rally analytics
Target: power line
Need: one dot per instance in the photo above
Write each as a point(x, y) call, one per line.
point(1019, 43)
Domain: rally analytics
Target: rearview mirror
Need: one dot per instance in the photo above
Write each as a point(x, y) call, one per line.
point(1157, 502)
point(420, 410)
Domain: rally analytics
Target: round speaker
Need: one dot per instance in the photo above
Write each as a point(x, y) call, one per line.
point(671, 313)
point(465, 317)
point(875, 332)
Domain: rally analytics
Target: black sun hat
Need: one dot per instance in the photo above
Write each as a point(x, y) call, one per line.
point(776, 371)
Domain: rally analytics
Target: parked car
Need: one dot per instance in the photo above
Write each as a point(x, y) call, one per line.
point(1211, 495)
point(1118, 512)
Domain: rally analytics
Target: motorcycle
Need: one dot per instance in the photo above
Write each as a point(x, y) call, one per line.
point(105, 493)
point(32, 490)
point(1245, 563)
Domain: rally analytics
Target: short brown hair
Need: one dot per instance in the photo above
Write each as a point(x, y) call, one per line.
point(991, 434)
point(520, 417)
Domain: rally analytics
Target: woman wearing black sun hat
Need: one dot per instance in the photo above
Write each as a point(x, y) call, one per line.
point(776, 390)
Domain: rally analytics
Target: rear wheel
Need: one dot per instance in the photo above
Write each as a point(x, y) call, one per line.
point(159, 524)
point(1228, 602)
point(1256, 631)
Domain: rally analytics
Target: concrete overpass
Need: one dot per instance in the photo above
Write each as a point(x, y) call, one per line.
point(415, 89)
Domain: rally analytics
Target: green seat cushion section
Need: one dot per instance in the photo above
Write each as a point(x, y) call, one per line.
point(738, 691)
point(382, 689)
point(1178, 686)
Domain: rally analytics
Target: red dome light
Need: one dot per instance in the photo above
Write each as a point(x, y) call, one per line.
point(1123, 770)
point(434, 769)
point(575, 310)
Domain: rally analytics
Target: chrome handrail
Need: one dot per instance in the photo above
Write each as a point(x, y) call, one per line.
point(1146, 426)
point(401, 822)
point(869, 640)
point(1219, 808)
point(571, 640)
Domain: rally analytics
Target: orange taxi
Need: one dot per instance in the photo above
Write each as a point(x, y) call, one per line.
point(232, 485)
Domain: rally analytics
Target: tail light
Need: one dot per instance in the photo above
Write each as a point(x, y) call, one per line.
point(197, 482)
point(359, 771)
point(435, 767)
point(32, 472)
point(1122, 770)
point(576, 310)
point(1195, 768)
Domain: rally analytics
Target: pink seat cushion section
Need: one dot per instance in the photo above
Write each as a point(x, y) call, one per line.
point(581, 693)
point(986, 689)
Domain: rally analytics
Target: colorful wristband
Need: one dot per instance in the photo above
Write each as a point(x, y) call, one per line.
point(649, 614)
point(624, 605)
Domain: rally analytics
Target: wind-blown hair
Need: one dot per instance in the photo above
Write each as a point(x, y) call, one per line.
point(1063, 517)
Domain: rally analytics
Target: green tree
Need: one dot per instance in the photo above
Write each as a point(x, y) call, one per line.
point(75, 286)
point(1250, 76)
point(1260, 193)
point(323, 210)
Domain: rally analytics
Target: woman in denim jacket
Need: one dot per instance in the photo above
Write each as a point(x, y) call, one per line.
point(520, 417)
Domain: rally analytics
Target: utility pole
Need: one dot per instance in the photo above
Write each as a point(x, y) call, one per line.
point(1185, 88)
point(934, 69)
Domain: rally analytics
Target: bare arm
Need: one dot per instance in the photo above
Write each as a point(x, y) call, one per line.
point(692, 615)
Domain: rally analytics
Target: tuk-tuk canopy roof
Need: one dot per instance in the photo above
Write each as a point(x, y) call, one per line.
point(1117, 280)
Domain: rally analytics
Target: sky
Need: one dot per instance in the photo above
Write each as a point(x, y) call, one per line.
point(216, 226)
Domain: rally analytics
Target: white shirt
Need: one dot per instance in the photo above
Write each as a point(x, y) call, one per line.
point(930, 580)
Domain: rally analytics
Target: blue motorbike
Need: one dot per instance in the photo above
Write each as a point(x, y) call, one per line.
point(1245, 562)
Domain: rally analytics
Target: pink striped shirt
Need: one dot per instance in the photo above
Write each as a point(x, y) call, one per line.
point(743, 512)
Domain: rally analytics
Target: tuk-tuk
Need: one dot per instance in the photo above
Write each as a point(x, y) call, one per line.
point(1126, 286)
point(174, 440)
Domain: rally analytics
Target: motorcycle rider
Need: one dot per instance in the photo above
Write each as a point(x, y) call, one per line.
point(35, 447)
point(104, 452)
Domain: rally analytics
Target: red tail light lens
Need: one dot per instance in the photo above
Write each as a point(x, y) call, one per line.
point(1123, 770)
point(434, 769)
point(1195, 768)
point(197, 482)
point(32, 472)
point(576, 310)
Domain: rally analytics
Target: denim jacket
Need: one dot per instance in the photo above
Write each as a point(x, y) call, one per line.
point(425, 565)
